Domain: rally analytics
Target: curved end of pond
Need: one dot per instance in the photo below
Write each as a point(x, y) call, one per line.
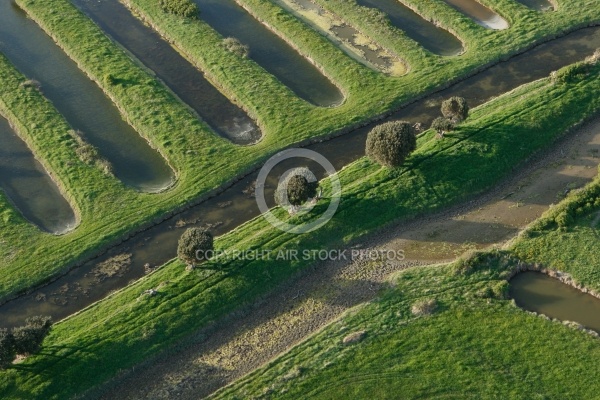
point(62, 221)
point(158, 187)
point(242, 131)
point(338, 101)
point(554, 295)
point(496, 23)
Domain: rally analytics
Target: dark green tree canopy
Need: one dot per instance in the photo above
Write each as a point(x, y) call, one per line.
point(193, 245)
point(442, 125)
point(299, 185)
point(29, 338)
point(390, 143)
point(182, 8)
point(455, 109)
point(299, 190)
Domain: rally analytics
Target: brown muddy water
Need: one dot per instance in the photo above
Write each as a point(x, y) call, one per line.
point(543, 294)
point(27, 184)
point(433, 38)
point(271, 52)
point(236, 205)
point(83, 104)
point(479, 13)
point(187, 82)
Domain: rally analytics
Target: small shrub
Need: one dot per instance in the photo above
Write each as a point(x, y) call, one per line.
point(424, 307)
point(181, 8)
point(455, 109)
point(297, 186)
point(193, 245)
point(235, 46)
point(390, 143)
point(442, 125)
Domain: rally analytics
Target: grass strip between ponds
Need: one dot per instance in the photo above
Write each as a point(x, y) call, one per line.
point(201, 159)
point(128, 327)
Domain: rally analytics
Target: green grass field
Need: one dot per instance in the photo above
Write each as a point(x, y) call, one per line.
point(126, 328)
point(201, 159)
point(477, 344)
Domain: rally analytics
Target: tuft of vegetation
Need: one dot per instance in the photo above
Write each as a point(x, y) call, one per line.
point(455, 109)
point(31, 84)
point(235, 46)
point(181, 8)
point(390, 143)
point(572, 73)
point(423, 307)
point(194, 244)
point(89, 154)
point(354, 337)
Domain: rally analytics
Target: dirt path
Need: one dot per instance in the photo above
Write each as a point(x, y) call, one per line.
point(245, 342)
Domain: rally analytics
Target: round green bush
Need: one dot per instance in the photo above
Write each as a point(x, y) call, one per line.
point(390, 143)
point(193, 245)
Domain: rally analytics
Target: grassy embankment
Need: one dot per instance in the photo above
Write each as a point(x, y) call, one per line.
point(201, 159)
point(128, 327)
point(476, 344)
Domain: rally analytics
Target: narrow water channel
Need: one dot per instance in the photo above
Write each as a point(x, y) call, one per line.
point(433, 38)
point(81, 102)
point(479, 13)
point(543, 294)
point(236, 205)
point(271, 52)
point(179, 75)
point(25, 182)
